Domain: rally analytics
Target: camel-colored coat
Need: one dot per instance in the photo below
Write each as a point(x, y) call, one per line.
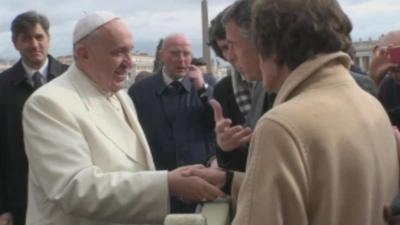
point(324, 155)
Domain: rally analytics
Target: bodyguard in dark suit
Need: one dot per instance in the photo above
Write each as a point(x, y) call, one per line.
point(30, 36)
point(173, 110)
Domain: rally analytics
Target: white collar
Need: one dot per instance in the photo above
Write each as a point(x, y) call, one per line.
point(167, 78)
point(30, 71)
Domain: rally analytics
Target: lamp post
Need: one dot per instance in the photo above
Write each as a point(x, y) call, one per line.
point(204, 20)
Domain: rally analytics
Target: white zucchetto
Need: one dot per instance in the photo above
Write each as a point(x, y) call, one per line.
point(90, 22)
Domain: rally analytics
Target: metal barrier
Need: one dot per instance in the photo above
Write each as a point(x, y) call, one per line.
point(212, 213)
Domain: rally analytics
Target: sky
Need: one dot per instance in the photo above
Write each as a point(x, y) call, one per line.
point(151, 20)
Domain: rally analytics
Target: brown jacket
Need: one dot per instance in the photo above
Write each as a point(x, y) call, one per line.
point(325, 154)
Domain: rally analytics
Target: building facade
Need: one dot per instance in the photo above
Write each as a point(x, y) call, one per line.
point(5, 64)
point(145, 62)
point(363, 53)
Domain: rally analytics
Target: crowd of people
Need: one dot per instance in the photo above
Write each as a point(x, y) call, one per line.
point(296, 135)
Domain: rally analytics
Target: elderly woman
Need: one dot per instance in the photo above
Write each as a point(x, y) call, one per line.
point(325, 153)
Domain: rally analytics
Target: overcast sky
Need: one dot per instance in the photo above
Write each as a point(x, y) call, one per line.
point(151, 20)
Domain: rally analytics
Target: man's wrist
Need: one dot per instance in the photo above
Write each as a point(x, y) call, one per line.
point(6, 218)
point(210, 160)
point(202, 92)
point(228, 182)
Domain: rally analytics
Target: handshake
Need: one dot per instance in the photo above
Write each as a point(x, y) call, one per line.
point(196, 183)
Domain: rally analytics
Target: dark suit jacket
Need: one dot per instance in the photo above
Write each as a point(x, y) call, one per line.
point(187, 137)
point(389, 96)
point(179, 127)
point(14, 91)
point(262, 102)
point(365, 82)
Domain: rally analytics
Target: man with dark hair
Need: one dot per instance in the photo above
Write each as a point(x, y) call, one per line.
point(30, 36)
point(325, 153)
point(217, 37)
point(234, 130)
point(233, 94)
point(237, 21)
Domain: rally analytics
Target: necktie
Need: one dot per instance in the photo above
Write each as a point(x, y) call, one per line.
point(175, 87)
point(37, 79)
point(172, 100)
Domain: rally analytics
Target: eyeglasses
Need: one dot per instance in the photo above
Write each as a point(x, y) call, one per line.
point(180, 54)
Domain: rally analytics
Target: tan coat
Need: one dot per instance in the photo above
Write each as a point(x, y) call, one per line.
point(87, 165)
point(324, 155)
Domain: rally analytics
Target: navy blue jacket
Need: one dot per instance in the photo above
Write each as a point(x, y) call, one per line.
point(182, 137)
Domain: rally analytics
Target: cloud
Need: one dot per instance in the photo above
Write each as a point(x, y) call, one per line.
point(372, 18)
point(151, 20)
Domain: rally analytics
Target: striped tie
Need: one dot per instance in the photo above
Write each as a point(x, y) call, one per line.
point(37, 79)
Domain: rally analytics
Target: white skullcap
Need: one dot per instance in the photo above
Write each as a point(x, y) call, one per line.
point(90, 22)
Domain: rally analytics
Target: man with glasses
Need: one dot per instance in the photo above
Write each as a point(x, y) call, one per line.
point(386, 75)
point(173, 110)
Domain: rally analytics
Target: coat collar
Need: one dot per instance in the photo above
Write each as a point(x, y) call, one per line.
point(132, 118)
point(113, 127)
point(53, 70)
point(306, 71)
point(161, 86)
point(19, 74)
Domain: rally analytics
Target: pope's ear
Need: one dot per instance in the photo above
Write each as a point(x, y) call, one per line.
point(81, 51)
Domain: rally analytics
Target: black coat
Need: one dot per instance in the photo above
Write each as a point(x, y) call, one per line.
point(183, 138)
point(14, 91)
point(223, 93)
point(179, 126)
point(389, 96)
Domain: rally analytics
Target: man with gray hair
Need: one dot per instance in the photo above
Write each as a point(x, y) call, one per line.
point(89, 159)
point(381, 66)
point(172, 107)
point(386, 74)
point(237, 22)
point(233, 93)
